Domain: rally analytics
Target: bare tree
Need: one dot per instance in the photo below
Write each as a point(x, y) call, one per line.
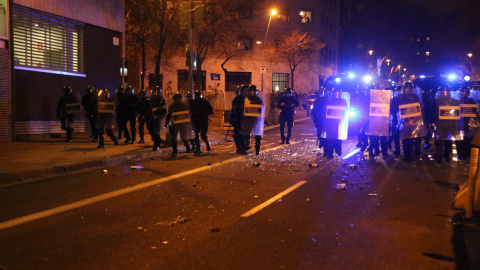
point(220, 31)
point(296, 47)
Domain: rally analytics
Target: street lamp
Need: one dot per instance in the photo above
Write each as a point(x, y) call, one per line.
point(370, 52)
point(470, 55)
point(263, 68)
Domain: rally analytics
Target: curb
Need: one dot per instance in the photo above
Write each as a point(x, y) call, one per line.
point(32, 176)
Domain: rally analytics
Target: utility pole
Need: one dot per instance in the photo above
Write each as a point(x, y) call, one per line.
point(190, 47)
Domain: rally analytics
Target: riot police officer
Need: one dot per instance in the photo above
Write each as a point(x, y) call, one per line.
point(318, 116)
point(201, 109)
point(88, 103)
point(141, 114)
point(66, 108)
point(411, 124)
point(122, 128)
point(105, 108)
point(236, 116)
point(178, 120)
point(287, 104)
point(253, 120)
point(447, 124)
point(156, 111)
point(127, 107)
point(334, 123)
point(470, 124)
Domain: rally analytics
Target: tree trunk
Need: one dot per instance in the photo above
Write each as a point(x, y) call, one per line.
point(142, 76)
point(292, 82)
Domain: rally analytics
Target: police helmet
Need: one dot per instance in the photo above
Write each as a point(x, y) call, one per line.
point(103, 93)
point(197, 95)
point(143, 93)
point(90, 89)
point(130, 89)
point(67, 89)
point(177, 96)
point(188, 95)
point(288, 90)
point(120, 89)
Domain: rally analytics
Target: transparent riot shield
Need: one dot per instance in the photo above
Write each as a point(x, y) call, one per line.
point(379, 113)
point(471, 124)
point(253, 119)
point(410, 114)
point(335, 124)
point(448, 121)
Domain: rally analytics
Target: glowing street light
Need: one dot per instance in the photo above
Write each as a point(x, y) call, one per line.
point(470, 55)
point(370, 52)
point(273, 12)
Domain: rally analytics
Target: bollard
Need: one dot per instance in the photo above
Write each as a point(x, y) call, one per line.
point(471, 183)
point(465, 196)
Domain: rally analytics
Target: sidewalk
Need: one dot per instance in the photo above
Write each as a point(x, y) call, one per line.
point(29, 161)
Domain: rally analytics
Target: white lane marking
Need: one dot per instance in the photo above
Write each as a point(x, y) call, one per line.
point(113, 194)
point(351, 153)
point(273, 199)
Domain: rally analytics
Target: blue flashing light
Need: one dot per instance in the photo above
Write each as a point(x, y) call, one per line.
point(422, 76)
point(452, 77)
point(367, 78)
point(351, 75)
point(338, 80)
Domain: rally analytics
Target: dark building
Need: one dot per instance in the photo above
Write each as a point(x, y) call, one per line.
point(53, 43)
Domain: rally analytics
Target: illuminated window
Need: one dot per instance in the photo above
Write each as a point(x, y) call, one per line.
point(428, 38)
point(427, 53)
point(279, 81)
point(281, 16)
point(305, 16)
point(244, 44)
point(47, 43)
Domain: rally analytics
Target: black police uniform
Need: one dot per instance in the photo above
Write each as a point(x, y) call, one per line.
point(236, 117)
point(201, 109)
point(318, 116)
point(155, 115)
point(185, 129)
point(105, 107)
point(88, 103)
point(287, 104)
point(141, 115)
point(66, 116)
point(128, 111)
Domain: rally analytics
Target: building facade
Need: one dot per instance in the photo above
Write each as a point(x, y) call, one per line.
point(53, 43)
point(319, 18)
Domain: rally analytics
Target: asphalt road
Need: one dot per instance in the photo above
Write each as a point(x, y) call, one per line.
point(225, 211)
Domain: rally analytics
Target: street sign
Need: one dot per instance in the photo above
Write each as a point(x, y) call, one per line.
point(263, 69)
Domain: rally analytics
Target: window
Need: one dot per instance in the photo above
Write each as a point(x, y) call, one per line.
point(279, 81)
point(305, 16)
point(281, 17)
point(47, 43)
point(244, 44)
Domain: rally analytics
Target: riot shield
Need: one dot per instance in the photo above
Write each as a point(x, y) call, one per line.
point(410, 114)
point(104, 115)
point(468, 111)
point(448, 124)
point(253, 119)
point(379, 113)
point(335, 124)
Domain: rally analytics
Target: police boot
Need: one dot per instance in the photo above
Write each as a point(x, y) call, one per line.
point(258, 142)
point(134, 133)
point(127, 137)
point(187, 146)
point(207, 143)
point(156, 144)
point(101, 141)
